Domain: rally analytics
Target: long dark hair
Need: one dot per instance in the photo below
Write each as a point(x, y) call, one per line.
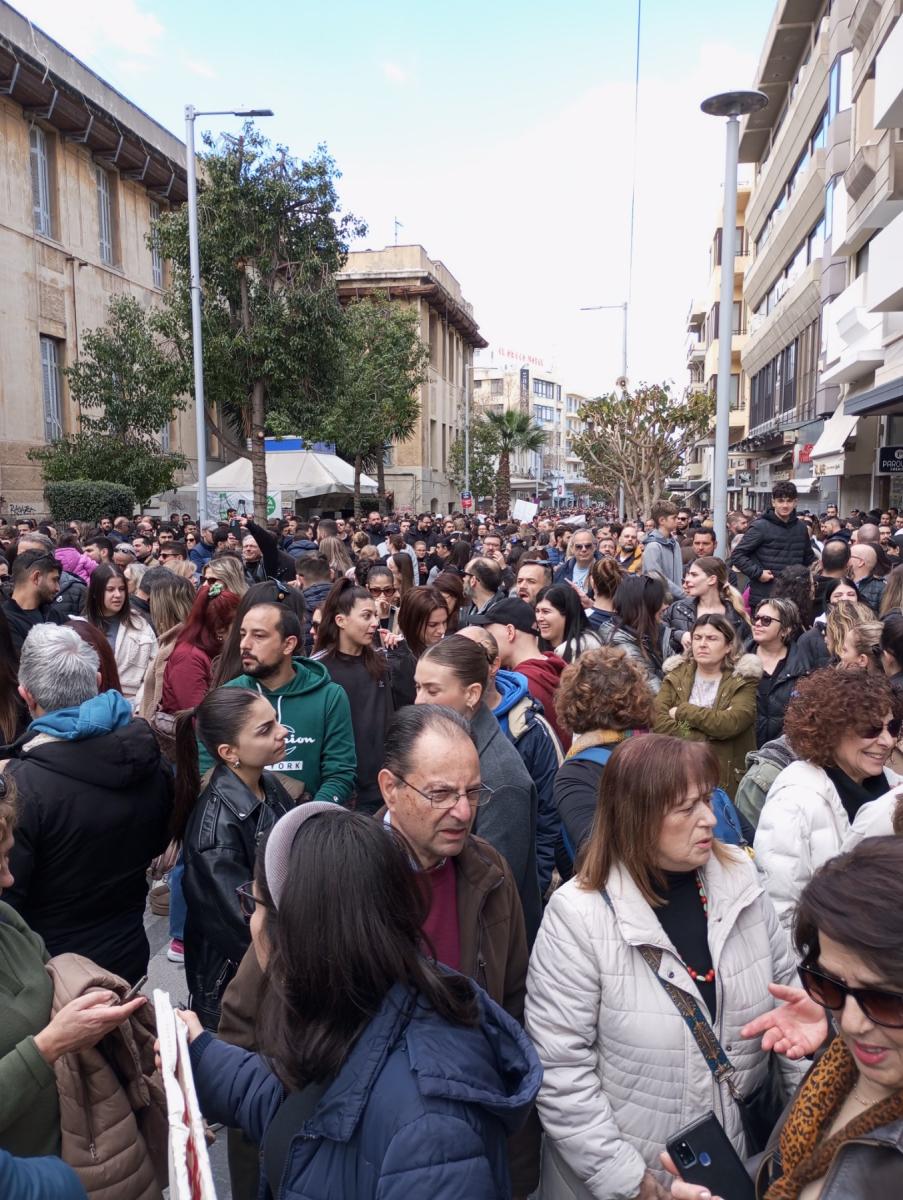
point(637, 603)
point(413, 613)
point(402, 563)
point(340, 600)
point(109, 672)
point(452, 587)
point(100, 577)
point(269, 592)
point(796, 583)
point(347, 930)
point(11, 708)
point(216, 720)
point(460, 554)
point(563, 597)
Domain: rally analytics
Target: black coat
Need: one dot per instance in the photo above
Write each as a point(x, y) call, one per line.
point(771, 544)
point(93, 814)
point(218, 850)
point(774, 692)
point(681, 617)
point(70, 600)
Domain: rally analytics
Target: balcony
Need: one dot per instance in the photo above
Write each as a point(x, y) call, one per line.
point(695, 351)
point(853, 336)
point(874, 183)
point(790, 226)
point(889, 81)
point(885, 286)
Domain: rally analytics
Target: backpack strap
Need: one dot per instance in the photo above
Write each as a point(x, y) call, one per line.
point(293, 1112)
point(596, 754)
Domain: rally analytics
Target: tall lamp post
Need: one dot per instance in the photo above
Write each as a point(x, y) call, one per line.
point(200, 411)
point(732, 105)
point(624, 306)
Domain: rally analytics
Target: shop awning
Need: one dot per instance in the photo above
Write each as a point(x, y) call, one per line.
point(805, 486)
point(886, 398)
point(833, 437)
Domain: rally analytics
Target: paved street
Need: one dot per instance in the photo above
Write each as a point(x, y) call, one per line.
point(164, 974)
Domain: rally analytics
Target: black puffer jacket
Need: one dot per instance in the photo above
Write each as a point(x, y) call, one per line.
point(218, 849)
point(771, 544)
point(70, 600)
point(774, 692)
point(681, 617)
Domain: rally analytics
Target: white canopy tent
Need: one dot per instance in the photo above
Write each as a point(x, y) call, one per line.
point(291, 475)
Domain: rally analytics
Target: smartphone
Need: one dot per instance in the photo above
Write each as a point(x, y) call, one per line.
point(133, 991)
point(704, 1155)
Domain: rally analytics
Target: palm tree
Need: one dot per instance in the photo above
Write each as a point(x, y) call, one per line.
point(512, 431)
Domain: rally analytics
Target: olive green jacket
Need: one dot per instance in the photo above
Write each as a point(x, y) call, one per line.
point(729, 725)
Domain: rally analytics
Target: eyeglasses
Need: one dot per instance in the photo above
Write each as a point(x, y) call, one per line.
point(883, 1008)
point(382, 591)
point(445, 798)
point(766, 621)
point(247, 901)
point(870, 732)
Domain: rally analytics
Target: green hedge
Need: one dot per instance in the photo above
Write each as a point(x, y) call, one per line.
point(88, 500)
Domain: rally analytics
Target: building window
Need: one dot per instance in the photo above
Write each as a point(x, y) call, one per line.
point(735, 392)
point(840, 84)
point(165, 440)
point(737, 318)
point(104, 215)
point(543, 412)
point(40, 182)
point(546, 389)
point(51, 389)
point(156, 256)
point(496, 387)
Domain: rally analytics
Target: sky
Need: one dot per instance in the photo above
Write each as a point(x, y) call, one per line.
point(498, 133)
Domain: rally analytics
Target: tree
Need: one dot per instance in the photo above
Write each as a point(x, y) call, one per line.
point(513, 432)
point(637, 439)
point(384, 362)
point(483, 460)
point(271, 241)
point(127, 386)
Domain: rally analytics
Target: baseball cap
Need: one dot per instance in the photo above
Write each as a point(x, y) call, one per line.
point(512, 611)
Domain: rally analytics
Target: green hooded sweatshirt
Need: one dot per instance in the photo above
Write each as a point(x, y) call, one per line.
point(319, 745)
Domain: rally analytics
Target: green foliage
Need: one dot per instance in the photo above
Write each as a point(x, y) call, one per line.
point(88, 500)
point(271, 241)
point(127, 385)
point(384, 362)
point(639, 438)
point(484, 454)
point(513, 431)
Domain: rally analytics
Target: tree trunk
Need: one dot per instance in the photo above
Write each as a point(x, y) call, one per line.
point(380, 482)
point(258, 454)
point(357, 488)
point(503, 487)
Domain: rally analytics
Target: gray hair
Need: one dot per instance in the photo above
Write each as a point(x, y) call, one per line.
point(58, 668)
point(37, 539)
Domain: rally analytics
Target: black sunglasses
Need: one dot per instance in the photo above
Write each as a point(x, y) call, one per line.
point(247, 901)
point(870, 732)
point(883, 1008)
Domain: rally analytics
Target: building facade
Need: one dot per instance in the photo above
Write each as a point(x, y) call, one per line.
point(417, 470)
point(83, 174)
point(824, 288)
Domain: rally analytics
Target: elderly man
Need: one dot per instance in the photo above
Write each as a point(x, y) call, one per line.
point(94, 804)
point(863, 561)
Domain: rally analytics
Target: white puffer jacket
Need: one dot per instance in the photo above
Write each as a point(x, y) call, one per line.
point(874, 820)
point(803, 824)
point(622, 1072)
point(136, 645)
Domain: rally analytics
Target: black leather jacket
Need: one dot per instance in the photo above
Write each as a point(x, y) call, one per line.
point(219, 846)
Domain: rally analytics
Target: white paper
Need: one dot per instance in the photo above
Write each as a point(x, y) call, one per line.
point(524, 510)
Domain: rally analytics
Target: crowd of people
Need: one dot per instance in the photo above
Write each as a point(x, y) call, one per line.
point(495, 854)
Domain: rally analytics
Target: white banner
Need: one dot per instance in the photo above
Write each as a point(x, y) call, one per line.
point(524, 510)
point(190, 1177)
point(221, 502)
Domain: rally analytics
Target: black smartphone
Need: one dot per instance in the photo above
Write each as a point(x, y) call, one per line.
point(133, 991)
point(704, 1155)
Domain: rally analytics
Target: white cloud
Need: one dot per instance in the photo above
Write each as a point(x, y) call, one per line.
point(88, 28)
point(394, 72)
point(197, 66)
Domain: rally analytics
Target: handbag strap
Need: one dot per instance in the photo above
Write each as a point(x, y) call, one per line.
point(292, 1113)
point(701, 1031)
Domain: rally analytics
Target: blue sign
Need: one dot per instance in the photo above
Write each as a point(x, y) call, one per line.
point(274, 445)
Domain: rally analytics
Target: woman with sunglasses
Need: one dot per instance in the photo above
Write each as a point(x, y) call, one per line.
point(843, 726)
point(841, 1137)
point(776, 631)
point(220, 826)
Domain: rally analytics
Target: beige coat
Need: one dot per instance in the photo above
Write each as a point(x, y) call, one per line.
point(112, 1104)
point(136, 646)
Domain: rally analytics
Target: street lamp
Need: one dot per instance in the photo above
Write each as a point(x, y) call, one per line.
point(191, 113)
point(625, 308)
point(732, 105)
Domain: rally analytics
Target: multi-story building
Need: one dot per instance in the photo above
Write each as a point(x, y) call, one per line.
point(863, 324)
point(416, 470)
point(530, 387)
point(84, 175)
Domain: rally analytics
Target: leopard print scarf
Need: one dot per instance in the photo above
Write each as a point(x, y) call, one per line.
point(803, 1155)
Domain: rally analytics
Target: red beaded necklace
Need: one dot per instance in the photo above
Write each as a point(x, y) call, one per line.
point(709, 976)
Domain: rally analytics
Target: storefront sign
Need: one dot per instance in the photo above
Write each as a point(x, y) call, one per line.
point(831, 464)
point(890, 460)
point(805, 452)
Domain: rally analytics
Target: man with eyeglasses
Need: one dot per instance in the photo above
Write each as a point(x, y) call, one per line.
point(576, 569)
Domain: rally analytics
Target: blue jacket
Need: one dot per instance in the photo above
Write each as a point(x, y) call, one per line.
point(93, 718)
point(522, 721)
point(38, 1179)
point(421, 1108)
point(565, 572)
point(200, 554)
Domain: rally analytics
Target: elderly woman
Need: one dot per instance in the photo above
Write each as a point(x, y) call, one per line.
point(840, 1137)
point(30, 1042)
point(602, 699)
point(660, 913)
point(843, 725)
point(709, 695)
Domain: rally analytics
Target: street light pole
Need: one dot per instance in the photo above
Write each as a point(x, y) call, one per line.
point(732, 105)
point(194, 287)
point(625, 312)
